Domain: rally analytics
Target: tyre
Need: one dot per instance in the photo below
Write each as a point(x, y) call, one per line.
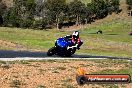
point(63, 52)
point(51, 51)
point(81, 80)
point(68, 54)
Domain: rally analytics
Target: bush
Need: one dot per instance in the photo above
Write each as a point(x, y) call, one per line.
point(37, 24)
point(2, 7)
point(41, 24)
point(11, 18)
point(27, 23)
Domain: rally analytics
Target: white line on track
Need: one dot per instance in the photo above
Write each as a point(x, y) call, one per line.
point(47, 58)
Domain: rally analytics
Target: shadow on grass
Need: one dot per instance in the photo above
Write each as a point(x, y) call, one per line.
point(112, 34)
point(15, 54)
point(92, 33)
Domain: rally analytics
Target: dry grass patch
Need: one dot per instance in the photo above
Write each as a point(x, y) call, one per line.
point(59, 75)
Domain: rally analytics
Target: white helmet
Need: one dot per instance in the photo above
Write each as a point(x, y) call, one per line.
point(75, 35)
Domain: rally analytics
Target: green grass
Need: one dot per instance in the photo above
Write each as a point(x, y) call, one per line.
point(118, 44)
point(114, 41)
point(30, 38)
point(109, 71)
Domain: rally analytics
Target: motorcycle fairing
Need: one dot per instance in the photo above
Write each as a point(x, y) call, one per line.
point(63, 42)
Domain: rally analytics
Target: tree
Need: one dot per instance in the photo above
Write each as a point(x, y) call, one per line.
point(1, 20)
point(109, 6)
point(76, 7)
point(2, 10)
point(129, 2)
point(100, 8)
point(11, 18)
point(21, 14)
point(90, 10)
point(56, 8)
point(25, 10)
point(40, 9)
point(115, 4)
point(2, 7)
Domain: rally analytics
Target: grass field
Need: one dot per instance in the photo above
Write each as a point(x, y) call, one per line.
point(114, 41)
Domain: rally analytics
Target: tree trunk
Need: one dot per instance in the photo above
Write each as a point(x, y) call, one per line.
point(86, 21)
point(57, 26)
point(77, 20)
point(57, 20)
point(1, 20)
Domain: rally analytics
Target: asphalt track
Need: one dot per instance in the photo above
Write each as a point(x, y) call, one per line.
point(26, 55)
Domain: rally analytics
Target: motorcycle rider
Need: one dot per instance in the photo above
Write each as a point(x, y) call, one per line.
point(75, 39)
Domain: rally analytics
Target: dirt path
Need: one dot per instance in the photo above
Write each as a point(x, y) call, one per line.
point(11, 45)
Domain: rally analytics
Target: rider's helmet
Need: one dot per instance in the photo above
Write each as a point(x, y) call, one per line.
point(75, 35)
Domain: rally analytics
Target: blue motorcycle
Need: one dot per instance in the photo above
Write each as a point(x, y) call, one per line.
point(63, 47)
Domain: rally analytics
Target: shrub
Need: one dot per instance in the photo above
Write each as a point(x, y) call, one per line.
point(27, 23)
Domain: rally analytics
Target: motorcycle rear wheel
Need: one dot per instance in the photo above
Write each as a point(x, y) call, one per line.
point(51, 51)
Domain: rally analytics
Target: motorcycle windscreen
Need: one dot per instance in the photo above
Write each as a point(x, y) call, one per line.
point(62, 42)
